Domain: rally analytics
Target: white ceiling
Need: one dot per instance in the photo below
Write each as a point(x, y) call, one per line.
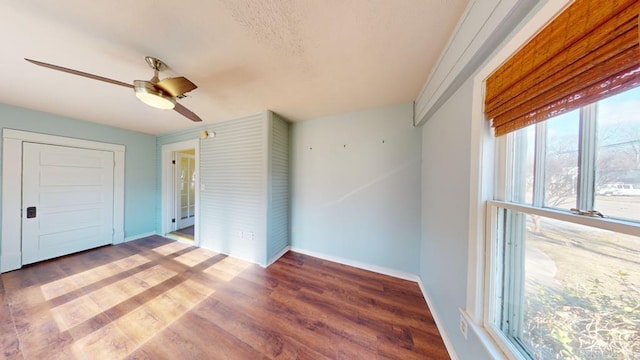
point(300, 58)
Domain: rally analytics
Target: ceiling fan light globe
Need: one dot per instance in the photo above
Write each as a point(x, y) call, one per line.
point(156, 101)
point(148, 94)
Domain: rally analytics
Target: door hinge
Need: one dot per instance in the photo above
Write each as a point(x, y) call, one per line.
point(173, 221)
point(173, 162)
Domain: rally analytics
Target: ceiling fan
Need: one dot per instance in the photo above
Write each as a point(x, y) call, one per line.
point(161, 94)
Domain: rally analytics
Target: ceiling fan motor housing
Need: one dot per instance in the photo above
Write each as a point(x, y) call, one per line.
point(148, 93)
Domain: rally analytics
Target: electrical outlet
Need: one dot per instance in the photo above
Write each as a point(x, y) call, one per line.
point(463, 326)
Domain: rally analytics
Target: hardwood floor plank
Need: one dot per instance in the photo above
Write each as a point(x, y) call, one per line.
point(260, 335)
point(155, 298)
point(291, 317)
point(201, 332)
point(361, 280)
point(9, 343)
point(170, 344)
point(108, 342)
point(352, 292)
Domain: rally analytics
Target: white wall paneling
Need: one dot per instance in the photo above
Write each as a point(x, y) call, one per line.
point(235, 183)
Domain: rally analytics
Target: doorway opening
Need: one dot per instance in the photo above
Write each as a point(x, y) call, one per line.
point(180, 188)
point(184, 163)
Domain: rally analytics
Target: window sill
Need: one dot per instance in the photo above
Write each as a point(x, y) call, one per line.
point(494, 350)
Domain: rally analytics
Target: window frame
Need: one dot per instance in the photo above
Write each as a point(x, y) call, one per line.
point(506, 151)
point(494, 252)
point(487, 185)
point(489, 191)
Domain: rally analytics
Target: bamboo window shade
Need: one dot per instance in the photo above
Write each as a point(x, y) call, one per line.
point(588, 52)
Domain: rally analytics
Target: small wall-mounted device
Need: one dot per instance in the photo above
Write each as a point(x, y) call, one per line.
point(207, 134)
point(31, 212)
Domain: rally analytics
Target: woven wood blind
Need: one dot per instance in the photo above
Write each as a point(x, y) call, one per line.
point(589, 52)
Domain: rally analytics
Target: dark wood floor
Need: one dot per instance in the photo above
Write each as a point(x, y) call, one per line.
point(159, 299)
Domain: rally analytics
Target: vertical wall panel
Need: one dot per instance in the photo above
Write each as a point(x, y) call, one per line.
point(233, 178)
point(234, 174)
point(278, 210)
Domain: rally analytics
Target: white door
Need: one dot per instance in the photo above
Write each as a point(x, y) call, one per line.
point(67, 200)
point(185, 181)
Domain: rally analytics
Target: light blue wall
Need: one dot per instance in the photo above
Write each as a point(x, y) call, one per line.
point(445, 215)
point(140, 164)
point(361, 201)
point(447, 160)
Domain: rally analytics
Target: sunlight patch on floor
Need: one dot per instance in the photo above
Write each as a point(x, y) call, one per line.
point(227, 269)
point(108, 342)
point(58, 288)
point(170, 248)
point(71, 283)
point(79, 310)
point(112, 295)
point(155, 275)
point(195, 257)
point(75, 312)
point(154, 316)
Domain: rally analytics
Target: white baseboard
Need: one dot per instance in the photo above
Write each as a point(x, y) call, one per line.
point(360, 265)
point(278, 255)
point(139, 236)
point(443, 333)
point(118, 238)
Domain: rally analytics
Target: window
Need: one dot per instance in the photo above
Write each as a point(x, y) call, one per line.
point(548, 277)
point(560, 278)
point(565, 241)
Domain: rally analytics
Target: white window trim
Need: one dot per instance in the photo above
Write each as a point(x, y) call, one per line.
point(482, 186)
point(496, 336)
point(615, 225)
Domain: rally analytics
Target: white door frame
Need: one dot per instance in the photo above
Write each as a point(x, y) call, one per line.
point(168, 200)
point(11, 242)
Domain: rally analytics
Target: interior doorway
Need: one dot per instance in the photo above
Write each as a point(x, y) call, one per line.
point(184, 163)
point(180, 188)
point(185, 187)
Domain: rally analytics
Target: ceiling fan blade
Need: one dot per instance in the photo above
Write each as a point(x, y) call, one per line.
point(176, 86)
point(186, 113)
point(79, 73)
